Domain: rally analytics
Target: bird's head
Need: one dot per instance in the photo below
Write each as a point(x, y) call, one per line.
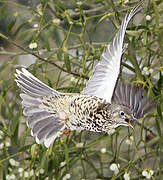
point(121, 116)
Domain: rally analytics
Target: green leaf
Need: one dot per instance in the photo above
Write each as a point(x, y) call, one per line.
point(67, 61)
point(34, 149)
point(3, 130)
point(134, 33)
point(66, 154)
point(14, 122)
point(156, 13)
point(160, 82)
point(3, 11)
point(11, 25)
point(158, 126)
point(47, 45)
point(2, 67)
point(160, 113)
point(19, 28)
point(25, 148)
point(26, 33)
point(45, 161)
point(60, 54)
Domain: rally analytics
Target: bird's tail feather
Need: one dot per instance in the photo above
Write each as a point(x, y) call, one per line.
point(45, 124)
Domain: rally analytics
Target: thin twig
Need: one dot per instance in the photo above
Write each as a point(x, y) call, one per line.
point(147, 129)
point(42, 59)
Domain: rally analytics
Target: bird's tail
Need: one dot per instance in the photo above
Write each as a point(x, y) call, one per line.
point(45, 123)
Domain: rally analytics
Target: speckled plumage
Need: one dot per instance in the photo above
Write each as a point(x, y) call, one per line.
point(99, 107)
point(83, 112)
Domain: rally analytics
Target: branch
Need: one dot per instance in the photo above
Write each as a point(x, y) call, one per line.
point(147, 129)
point(4, 52)
point(42, 59)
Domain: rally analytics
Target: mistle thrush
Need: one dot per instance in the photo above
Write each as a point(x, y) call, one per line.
point(103, 104)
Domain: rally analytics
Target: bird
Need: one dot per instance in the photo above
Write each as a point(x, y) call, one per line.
point(104, 104)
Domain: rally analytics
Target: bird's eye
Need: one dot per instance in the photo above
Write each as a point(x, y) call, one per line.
point(122, 113)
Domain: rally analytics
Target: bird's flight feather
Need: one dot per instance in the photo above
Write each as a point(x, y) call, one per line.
point(133, 97)
point(106, 72)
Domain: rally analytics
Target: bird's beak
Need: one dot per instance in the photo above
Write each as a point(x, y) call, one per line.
point(129, 121)
point(129, 124)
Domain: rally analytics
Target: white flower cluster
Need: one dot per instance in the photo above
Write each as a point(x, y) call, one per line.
point(126, 176)
point(35, 25)
point(1, 146)
point(111, 131)
point(79, 3)
point(13, 162)
point(70, 22)
point(148, 17)
point(126, 1)
point(10, 177)
point(115, 168)
point(62, 163)
point(41, 171)
point(33, 45)
point(67, 176)
point(56, 21)
point(28, 174)
point(147, 71)
point(25, 174)
point(39, 9)
point(148, 173)
point(130, 140)
point(72, 79)
point(21, 170)
point(79, 145)
point(6, 144)
point(103, 150)
point(1, 134)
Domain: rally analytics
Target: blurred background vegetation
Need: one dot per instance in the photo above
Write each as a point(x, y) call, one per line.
point(59, 42)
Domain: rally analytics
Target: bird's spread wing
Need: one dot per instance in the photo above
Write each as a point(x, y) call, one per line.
point(133, 97)
point(45, 123)
point(106, 72)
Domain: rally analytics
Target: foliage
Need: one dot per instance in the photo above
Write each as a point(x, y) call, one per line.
point(65, 39)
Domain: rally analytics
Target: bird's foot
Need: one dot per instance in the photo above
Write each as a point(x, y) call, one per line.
point(66, 132)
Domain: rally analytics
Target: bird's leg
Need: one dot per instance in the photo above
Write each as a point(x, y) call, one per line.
point(66, 131)
point(65, 119)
